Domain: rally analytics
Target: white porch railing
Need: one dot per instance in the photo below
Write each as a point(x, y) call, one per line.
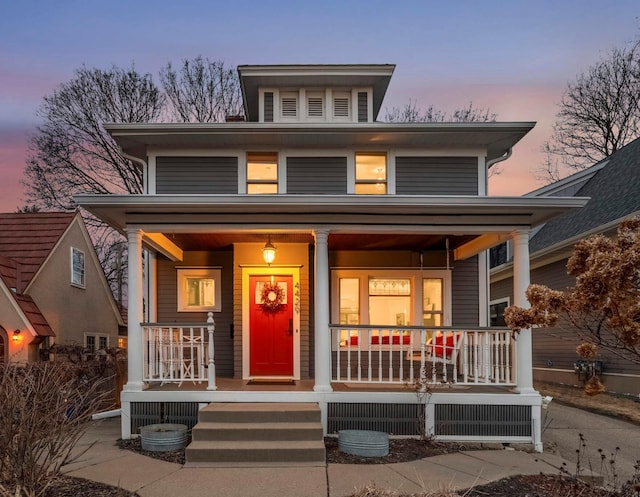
point(174, 353)
point(364, 354)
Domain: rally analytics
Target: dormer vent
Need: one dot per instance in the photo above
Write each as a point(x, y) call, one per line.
point(315, 107)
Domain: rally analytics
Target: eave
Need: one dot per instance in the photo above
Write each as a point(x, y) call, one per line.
point(493, 138)
point(345, 212)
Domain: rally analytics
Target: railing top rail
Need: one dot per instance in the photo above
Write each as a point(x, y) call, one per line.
point(174, 325)
point(409, 328)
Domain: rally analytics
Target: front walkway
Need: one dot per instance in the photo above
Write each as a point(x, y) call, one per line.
point(105, 462)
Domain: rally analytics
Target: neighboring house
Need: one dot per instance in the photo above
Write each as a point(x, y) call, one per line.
point(380, 273)
point(52, 288)
point(614, 188)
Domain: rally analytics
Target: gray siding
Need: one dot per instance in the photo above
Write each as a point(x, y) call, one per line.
point(268, 107)
point(167, 294)
point(555, 348)
point(317, 175)
point(363, 111)
point(213, 175)
point(436, 175)
point(465, 293)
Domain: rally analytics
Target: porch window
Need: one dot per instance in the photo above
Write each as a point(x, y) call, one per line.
point(262, 173)
point(390, 301)
point(349, 307)
point(77, 267)
point(433, 305)
point(199, 290)
point(371, 174)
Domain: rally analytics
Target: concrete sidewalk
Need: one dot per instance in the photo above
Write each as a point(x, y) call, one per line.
point(105, 462)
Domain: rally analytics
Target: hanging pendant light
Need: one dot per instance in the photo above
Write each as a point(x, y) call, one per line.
point(269, 252)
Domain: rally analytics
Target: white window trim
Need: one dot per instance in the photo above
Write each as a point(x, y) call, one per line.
point(84, 269)
point(97, 337)
point(414, 275)
point(182, 273)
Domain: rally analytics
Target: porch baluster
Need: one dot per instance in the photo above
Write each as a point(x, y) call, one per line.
point(211, 326)
point(476, 365)
point(423, 357)
point(380, 347)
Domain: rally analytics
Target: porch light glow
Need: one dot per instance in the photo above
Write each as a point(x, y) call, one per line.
point(269, 252)
point(16, 335)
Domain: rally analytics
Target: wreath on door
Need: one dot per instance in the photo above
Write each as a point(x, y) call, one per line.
point(272, 297)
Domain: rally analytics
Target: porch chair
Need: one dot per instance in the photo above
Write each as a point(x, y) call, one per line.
point(443, 348)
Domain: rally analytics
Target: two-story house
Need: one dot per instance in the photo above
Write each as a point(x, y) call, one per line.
point(342, 259)
point(52, 288)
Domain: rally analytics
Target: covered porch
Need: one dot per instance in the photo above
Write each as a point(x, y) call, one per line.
point(338, 361)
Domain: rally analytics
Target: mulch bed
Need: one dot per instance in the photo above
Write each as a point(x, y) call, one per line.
point(400, 450)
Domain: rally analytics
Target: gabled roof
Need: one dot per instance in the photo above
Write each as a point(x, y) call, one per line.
point(614, 192)
point(26, 240)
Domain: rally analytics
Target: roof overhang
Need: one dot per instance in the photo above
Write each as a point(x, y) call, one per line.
point(254, 77)
point(492, 139)
point(451, 214)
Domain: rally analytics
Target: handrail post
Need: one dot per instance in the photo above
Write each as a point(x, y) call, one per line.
point(211, 326)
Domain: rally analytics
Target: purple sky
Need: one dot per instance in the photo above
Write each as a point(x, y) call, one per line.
point(510, 56)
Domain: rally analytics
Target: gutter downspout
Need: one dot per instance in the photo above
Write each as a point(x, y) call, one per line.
point(493, 162)
point(145, 166)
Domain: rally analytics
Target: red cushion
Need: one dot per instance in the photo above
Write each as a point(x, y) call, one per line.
point(444, 345)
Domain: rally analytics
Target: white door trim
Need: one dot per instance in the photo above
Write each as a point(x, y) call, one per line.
point(294, 272)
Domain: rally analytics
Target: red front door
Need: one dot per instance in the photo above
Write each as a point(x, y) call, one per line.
point(271, 325)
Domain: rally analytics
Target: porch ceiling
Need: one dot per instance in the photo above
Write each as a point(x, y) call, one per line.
point(337, 241)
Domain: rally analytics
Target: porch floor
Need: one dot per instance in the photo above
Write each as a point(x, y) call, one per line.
point(239, 385)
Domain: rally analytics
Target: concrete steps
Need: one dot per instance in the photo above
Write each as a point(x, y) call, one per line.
point(257, 434)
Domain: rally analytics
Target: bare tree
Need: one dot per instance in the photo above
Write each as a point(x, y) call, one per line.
point(599, 114)
point(201, 91)
point(411, 113)
point(72, 153)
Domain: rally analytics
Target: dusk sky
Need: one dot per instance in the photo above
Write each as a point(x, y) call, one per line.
point(513, 57)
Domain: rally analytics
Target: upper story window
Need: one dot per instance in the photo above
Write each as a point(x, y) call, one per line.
point(262, 173)
point(371, 174)
point(77, 267)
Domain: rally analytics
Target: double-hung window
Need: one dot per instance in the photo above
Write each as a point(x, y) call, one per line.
point(262, 173)
point(77, 267)
point(371, 174)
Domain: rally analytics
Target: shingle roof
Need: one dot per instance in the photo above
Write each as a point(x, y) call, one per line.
point(614, 192)
point(26, 240)
point(29, 238)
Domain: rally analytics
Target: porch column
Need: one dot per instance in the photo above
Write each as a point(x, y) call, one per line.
point(134, 330)
point(321, 313)
point(521, 279)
